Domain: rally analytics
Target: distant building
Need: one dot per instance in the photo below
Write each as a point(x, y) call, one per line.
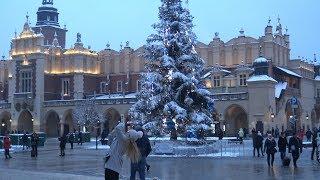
point(254, 82)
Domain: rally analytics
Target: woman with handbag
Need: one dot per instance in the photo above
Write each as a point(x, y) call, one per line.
point(270, 149)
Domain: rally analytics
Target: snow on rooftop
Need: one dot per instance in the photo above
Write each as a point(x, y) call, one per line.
point(260, 60)
point(256, 78)
point(317, 78)
point(279, 87)
point(116, 96)
point(289, 72)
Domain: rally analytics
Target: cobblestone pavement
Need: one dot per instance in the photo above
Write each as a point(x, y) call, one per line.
point(87, 164)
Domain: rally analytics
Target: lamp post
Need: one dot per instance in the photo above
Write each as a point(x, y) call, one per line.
point(272, 116)
point(307, 117)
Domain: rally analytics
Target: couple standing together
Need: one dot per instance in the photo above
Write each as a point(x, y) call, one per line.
point(131, 142)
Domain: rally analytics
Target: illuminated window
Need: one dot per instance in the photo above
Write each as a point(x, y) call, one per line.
point(25, 81)
point(66, 87)
point(103, 87)
point(243, 80)
point(119, 86)
point(216, 81)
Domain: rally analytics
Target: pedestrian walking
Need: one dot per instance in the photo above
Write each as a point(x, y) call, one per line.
point(25, 141)
point(80, 138)
point(314, 143)
point(241, 134)
point(144, 147)
point(276, 132)
point(282, 145)
point(63, 142)
point(260, 144)
point(34, 144)
point(113, 160)
point(295, 148)
point(71, 139)
point(309, 135)
point(254, 142)
point(7, 146)
point(270, 149)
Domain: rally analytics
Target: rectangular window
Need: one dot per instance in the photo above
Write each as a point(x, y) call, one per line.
point(318, 93)
point(138, 86)
point(65, 87)
point(103, 87)
point(25, 81)
point(216, 81)
point(119, 86)
point(243, 80)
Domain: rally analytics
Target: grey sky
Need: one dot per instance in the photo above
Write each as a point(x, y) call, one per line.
point(116, 21)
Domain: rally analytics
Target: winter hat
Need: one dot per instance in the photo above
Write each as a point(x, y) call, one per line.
point(134, 135)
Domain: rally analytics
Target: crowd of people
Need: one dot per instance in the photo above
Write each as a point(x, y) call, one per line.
point(292, 146)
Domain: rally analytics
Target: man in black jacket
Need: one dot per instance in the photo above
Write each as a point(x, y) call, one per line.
point(295, 148)
point(314, 143)
point(145, 149)
point(282, 145)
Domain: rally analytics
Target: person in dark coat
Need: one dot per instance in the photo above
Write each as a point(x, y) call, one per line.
point(254, 142)
point(80, 138)
point(282, 145)
point(63, 142)
point(34, 144)
point(145, 148)
point(25, 141)
point(295, 148)
point(270, 149)
point(71, 139)
point(309, 135)
point(7, 146)
point(314, 143)
point(260, 143)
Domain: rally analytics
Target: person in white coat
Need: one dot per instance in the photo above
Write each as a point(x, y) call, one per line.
point(122, 143)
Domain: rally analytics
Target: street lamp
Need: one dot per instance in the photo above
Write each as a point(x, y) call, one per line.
point(307, 116)
point(10, 120)
point(3, 124)
point(32, 119)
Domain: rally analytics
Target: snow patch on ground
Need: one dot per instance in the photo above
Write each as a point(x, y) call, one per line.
point(93, 147)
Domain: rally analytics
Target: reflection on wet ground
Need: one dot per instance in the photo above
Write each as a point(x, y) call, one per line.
point(89, 162)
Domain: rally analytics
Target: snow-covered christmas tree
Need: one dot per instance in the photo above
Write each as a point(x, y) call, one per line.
point(86, 114)
point(172, 90)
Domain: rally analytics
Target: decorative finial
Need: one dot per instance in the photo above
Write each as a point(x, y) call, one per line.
point(108, 45)
point(3, 56)
point(45, 2)
point(78, 38)
point(279, 19)
point(127, 44)
point(121, 46)
point(89, 47)
point(269, 21)
point(216, 35)
point(27, 17)
point(241, 32)
point(15, 33)
point(65, 27)
point(287, 30)
point(315, 57)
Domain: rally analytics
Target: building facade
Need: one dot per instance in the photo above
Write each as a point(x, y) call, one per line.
point(254, 81)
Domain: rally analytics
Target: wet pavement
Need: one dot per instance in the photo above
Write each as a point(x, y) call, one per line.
point(81, 163)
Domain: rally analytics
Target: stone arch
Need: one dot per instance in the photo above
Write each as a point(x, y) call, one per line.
point(68, 122)
point(5, 123)
point(25, 121)
point(235, 117)
point(111, 118)
point(52, 124)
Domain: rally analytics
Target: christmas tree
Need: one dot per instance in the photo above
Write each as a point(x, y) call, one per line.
point(172, 92)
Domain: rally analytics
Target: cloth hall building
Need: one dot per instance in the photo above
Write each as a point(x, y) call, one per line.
point(254, 82)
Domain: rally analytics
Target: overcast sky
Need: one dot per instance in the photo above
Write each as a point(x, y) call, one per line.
point(116, 21)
